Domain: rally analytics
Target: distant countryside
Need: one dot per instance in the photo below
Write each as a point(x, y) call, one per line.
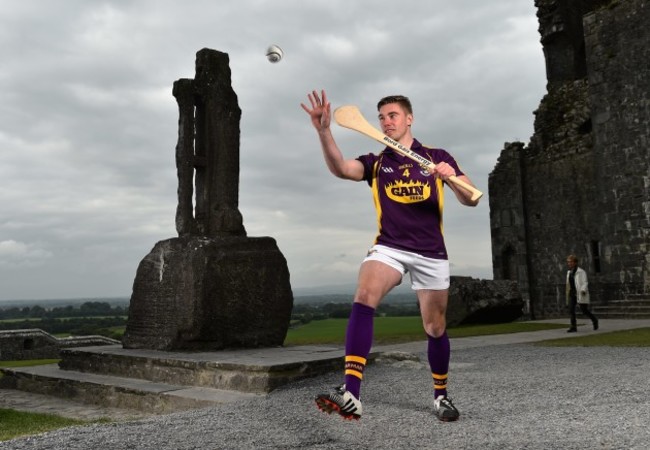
point(89, 318)
point(315, 319)
point(108, 317)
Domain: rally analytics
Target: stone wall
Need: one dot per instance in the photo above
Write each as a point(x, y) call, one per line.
point(475, 301)
point(618, 44)
point(581, 184)
point(507, 220)
point(17, 345)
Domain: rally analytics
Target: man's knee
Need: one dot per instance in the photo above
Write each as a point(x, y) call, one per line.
point(435, 326)
point(367, 297)
point(436, 331)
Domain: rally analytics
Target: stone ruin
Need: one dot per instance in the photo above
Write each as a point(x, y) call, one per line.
point(474, 301)
point(212, 287)
point(34, 343)
point(582, 184)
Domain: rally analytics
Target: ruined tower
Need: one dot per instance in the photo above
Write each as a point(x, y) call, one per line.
point(582, 184)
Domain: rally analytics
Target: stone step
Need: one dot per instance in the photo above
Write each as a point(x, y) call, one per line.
point(619, 315)
point(251, 370)
point(158, 382)
point(627, 309)
point(636, 306)
point(645, 297)
point(627, 302)
point(622, 308)
point(116, 392)
point(622, 314)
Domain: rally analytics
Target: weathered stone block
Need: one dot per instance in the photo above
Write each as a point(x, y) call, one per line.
point(35, 343)
point(198, 293)
point(474, 301)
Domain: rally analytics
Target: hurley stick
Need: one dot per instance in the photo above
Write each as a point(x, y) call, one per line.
point(350, 117)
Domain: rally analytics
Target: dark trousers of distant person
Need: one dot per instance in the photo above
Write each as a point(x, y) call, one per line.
point(584, 308)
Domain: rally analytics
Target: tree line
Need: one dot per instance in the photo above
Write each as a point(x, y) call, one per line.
point(99, 317)
point(86, 309)
point(89, 318)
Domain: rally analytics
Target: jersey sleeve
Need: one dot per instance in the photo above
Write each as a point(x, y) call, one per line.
point(368, 162)
point(440, 155)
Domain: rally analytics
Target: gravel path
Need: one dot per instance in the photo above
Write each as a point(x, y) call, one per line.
point(510, 397)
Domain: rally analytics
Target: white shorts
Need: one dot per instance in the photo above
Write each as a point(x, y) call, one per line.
point(426, 273)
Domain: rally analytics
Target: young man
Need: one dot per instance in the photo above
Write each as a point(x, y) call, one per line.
point(409, 201)
point(577, 293)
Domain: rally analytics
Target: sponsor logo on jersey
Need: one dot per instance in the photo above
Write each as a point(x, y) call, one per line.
point(408, 192)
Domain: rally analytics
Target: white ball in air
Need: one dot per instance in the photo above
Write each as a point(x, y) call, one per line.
point(274, 54)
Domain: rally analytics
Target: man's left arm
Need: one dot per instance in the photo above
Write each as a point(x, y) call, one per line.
point(448, 167)
point(463, 195)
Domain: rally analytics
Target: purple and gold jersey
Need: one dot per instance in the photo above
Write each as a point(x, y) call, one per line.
point(408, 200)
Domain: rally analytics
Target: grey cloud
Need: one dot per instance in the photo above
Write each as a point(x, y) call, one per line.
point(88, 124)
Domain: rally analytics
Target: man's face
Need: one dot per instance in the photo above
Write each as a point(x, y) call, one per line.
point(570, 263)
point(394, 121)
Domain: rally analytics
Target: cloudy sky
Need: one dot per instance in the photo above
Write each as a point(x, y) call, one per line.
point(88, 125)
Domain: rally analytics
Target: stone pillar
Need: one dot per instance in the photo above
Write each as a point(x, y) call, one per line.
point(207, 152)
point(212, 287)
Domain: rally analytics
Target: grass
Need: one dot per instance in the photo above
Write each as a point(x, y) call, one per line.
point(394, 330)
point(639, 337)
point(501, 328)
point(26, 363)
point(118, 329)
point(18, 423)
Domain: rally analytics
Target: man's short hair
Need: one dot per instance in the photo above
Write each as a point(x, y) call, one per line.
point(403, 101)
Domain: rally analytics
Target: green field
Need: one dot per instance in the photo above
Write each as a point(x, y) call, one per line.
point(392, 330)
point(26, 319)
point(639, 337)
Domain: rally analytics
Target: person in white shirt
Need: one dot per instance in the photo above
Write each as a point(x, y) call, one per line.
point(577, 293)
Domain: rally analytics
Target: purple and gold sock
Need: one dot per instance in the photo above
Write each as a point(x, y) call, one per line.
point(439, 352)
point(358, 340)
